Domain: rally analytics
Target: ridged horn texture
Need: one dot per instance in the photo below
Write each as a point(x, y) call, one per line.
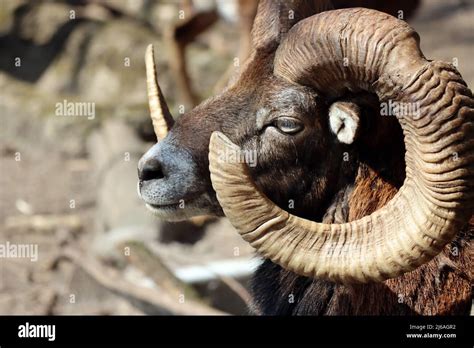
point(159, 112)
point(436, 199)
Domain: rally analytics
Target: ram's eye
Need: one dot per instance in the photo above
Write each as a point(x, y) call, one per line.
point(288, 125)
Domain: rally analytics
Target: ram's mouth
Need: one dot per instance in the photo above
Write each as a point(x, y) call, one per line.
point(184, 209)
point(181, 204)
point(164, 206)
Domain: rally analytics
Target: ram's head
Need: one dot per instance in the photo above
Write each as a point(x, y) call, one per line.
point(280, 132)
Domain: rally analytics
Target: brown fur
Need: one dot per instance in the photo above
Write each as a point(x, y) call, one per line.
point(440, 287)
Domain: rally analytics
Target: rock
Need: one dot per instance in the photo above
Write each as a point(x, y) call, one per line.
point(114, 67)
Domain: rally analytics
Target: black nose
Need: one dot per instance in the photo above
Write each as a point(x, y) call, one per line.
point(150, 170)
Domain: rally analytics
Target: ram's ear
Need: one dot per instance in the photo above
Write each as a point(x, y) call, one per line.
point(344, 120)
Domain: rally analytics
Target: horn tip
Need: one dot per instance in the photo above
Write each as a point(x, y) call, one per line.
point(220, 139)
point(150, 55)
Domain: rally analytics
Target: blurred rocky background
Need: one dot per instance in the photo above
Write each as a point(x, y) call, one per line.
point(68, 180)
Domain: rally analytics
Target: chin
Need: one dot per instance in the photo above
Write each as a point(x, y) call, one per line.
point(202, 205)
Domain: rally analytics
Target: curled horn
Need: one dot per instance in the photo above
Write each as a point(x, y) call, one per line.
point(437, 197)
point(159, 112)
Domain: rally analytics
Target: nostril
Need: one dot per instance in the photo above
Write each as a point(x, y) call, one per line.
point(151, 170)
